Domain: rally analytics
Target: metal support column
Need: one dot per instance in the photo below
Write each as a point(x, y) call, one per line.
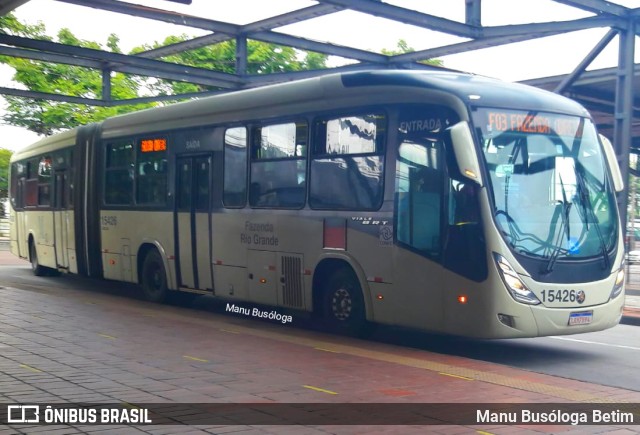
point(623, 110)
point(106, 84)
point(473, 13)
point(241, 55)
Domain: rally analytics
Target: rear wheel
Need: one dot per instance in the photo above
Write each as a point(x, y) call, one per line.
point(36, 267)
point(343, 305)
point(154, 278)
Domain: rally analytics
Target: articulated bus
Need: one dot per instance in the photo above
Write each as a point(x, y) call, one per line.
point(434, 200)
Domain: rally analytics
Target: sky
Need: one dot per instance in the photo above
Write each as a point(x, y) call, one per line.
point(519, 61)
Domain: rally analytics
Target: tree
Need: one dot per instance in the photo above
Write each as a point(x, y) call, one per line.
point(5, 157)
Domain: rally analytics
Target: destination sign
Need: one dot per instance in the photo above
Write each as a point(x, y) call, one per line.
point(533, 123)
point(151, 145)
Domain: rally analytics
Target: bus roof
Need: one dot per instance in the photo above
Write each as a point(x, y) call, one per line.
point(236, 106)
point(472, 89)
point(53, 142)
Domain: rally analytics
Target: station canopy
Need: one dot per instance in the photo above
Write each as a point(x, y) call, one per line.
point(608, 93)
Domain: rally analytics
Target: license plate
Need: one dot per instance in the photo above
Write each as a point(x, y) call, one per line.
point(581, 318)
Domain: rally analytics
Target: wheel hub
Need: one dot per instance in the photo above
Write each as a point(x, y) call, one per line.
point(341, 304)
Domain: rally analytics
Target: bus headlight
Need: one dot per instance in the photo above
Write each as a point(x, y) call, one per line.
point(618, 285)
point(514, 284)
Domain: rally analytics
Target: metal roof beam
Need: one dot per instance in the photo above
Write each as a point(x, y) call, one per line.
point(117, 61)
point(320, 47)
point(408, 16)
point(556, 26)
point(49, 57)
point(258, 26)
point(233, 30)
point(101, 102)
point(179, 47)
point(52, 97)
point(597, 6)
point(7, 6)
point(582, 66)
point(290, 18)
point(158, 15)
point(501, 35)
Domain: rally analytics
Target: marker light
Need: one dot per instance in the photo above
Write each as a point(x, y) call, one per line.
point(470, 173)
point(462, 299)
point(263, 281)
point(514, 284)
point(379, 297)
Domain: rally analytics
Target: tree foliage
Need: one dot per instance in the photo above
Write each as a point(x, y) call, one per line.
point(403, 47)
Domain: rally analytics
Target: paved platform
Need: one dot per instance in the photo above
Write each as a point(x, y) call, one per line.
point(80, 344)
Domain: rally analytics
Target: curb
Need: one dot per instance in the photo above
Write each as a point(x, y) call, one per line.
point(630, 320)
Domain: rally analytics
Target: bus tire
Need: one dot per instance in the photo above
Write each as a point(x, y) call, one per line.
point(343, 304)
point(36, 267)
point(154, 278)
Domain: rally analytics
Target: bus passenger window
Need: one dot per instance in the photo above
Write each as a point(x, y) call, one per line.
point(278, 165)
point(44, 181)
point(151, 183)
point(118, 186)
point(348, 164)
point(235, 167)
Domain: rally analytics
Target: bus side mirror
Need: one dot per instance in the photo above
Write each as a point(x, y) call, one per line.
point(612, 161)
point(465, 152)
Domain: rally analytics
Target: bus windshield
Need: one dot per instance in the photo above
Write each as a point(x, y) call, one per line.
point(551, 194)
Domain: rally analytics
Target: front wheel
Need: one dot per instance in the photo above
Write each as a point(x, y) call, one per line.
point(343, 305)
point(154, 278)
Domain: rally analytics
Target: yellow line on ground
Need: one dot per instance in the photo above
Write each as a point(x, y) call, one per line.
point(321, 390)
point(110, 337)
point(33, 369)
point(326, 350)
point(481, 432)
point(193, 358)
point(456, 376)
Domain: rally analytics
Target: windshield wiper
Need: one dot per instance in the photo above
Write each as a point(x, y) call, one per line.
point(589, 214)
point(564, 228)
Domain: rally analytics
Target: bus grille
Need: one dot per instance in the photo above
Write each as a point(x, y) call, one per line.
point(292, 281)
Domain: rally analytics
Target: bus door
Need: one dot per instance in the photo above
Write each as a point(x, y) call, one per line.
point(60, 219)
point(193, 222)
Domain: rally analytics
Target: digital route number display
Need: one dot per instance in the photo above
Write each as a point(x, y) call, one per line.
point(151, 145)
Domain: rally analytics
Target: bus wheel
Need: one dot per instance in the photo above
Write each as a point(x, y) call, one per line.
point(154, 278)
point(343, 306)
point(36, 267)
